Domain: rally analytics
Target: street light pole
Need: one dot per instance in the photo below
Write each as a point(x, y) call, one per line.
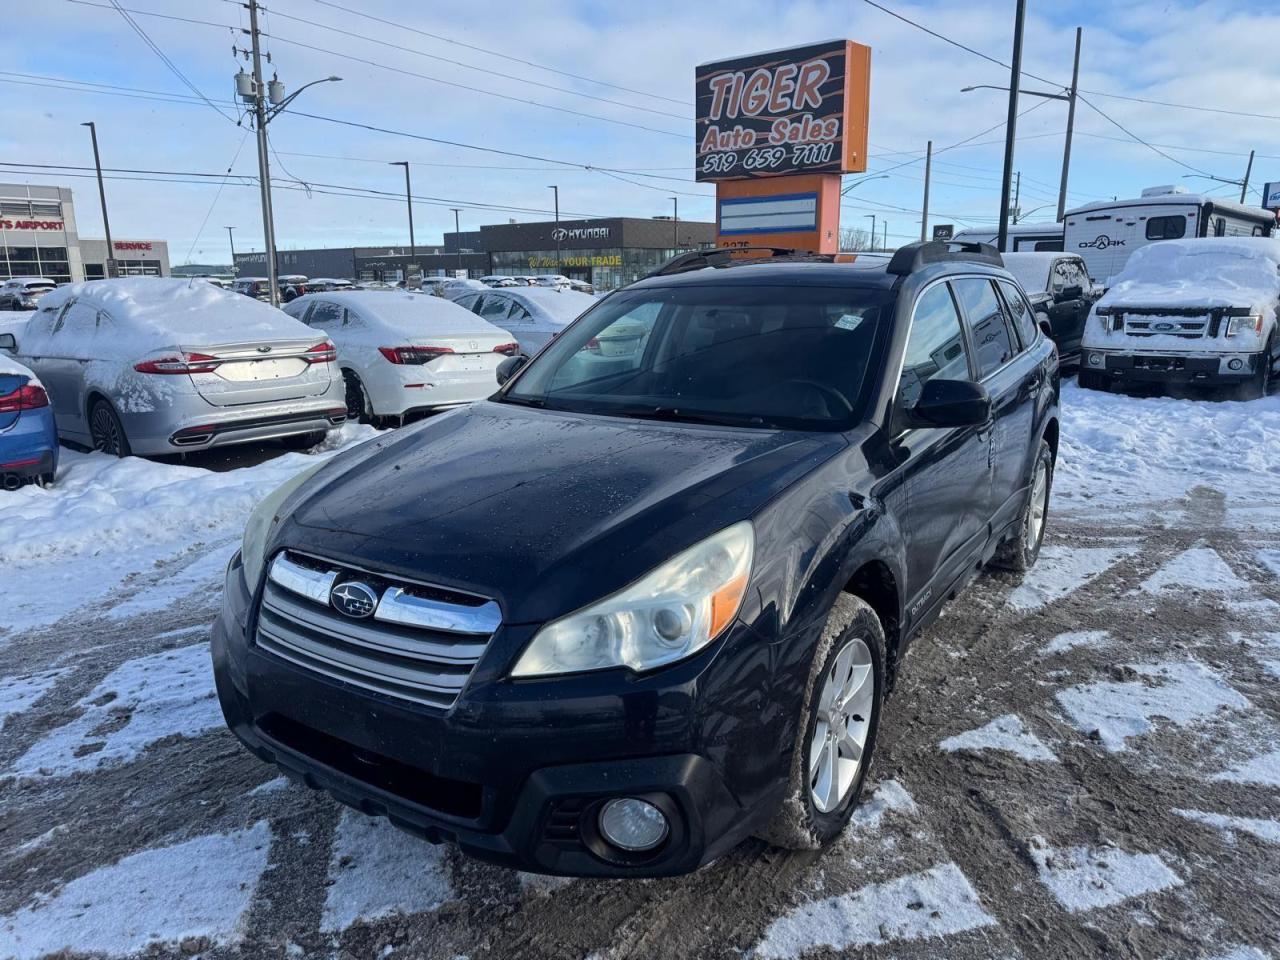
point(408, 199)
point(1071, 124)
point(928, 171)
point(108, 268)
point(1011, 125)
point(675, 225)
point(885, 226)
point(232, 240)
point(264, 168)
point(556, 191)
point(873, 230)
point(1244, 184)
point(457, 233)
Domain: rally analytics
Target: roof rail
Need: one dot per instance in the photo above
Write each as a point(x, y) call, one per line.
point(915, 256)
point(718, 257)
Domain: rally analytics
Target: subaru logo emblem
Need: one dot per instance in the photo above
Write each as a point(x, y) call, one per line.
point(353, 598)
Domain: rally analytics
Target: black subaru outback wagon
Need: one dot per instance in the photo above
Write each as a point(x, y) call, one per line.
point(648, 598)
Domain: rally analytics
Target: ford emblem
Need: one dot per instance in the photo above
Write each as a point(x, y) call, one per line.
point(1164, 326)
point(353, 598)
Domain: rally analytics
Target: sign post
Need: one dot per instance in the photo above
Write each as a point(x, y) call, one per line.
point(775, 131)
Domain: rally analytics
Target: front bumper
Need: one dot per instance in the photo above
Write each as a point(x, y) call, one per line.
point(1170, 368)
point(512, 773)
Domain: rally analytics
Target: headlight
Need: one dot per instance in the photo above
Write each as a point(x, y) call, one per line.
point(667, 615)
point(1250, 324)
point(262, 522)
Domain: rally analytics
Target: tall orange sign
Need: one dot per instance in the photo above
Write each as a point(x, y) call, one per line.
point(774, 132)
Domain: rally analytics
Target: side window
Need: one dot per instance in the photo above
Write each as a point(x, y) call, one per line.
point(352, 319)
point(519, 313)
point(1166, 228)
point(1023, 317)
point(468, 302)
point(1073, 271)
point(494, 308)
point(1059, 278)
point(992, 338)
point(62, 316)
point(325, 315)
point(935, 346)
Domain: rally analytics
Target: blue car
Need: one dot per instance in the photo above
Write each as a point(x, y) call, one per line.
point(28, 436)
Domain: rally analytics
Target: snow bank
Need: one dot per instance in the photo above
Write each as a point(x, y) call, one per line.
point(160, 309)
point(1207, 271)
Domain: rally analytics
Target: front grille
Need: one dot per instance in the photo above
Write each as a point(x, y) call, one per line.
point(1183, 329)
point(420, 643)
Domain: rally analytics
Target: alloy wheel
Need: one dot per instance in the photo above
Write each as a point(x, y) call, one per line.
point(843, 724)
point(1039, 504)
point(105, 431)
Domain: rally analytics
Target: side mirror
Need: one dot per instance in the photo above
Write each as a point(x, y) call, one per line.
point(8, 342)
point(951, 403)
point(1072, 293)
point(509, 367)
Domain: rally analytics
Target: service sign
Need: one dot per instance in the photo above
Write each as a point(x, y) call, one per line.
point(802, 110)
point(1271, 195)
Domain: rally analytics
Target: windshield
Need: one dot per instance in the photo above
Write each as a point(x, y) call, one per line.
point(775, 357)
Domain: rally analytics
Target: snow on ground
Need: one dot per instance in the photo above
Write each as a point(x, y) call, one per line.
point(1180, 693)
point(1063, 570)
point(936, 902)
point(199, 888)
point(1270, 559)
point(18, 693)
point(107, 519)
point(889, 795)
point(1076, 638)
point(1262, 770)
point(138, 703)
point(376, 871)
point(1200, 568)
point(1082, 878)
point(1122, 452)
point(1006, 733)
point(1268, 830)
point(205, 571)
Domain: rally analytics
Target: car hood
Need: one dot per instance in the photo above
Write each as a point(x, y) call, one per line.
point(543, 510)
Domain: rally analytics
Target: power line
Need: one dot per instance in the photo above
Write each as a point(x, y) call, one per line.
point(473, 89)
point(173, 67)
point(208, 213)
point(472, 66)
point(504, 56)
point(1088, 103)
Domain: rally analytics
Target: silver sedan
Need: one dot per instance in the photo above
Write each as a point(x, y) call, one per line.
point(151, 366)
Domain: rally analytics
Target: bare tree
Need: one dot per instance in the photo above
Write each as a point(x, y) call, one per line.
point(852, 240)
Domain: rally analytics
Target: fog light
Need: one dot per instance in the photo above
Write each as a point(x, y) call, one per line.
point(1095, 359)
point(632, 824)
point(1235, 364)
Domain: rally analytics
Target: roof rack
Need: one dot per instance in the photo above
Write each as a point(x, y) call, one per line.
point(723, 257)
point(915, 256)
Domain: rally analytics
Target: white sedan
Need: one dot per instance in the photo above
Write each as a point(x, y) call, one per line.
point(403, 353)
point(533, 314)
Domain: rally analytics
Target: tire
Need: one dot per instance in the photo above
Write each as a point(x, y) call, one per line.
point(802, 822)
point(1020, 552)
point(1259, 385)
point(46, 480)
point(359, 410)
point(303, 441)
point(105, 430)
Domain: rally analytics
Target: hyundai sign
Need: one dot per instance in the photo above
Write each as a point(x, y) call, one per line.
point(1271, 195)
point(796, 111)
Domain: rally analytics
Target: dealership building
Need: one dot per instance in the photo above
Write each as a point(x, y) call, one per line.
point(38, 238)
point(608, 253)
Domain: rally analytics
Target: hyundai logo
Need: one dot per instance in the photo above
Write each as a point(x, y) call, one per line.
point(559, 234)
point(353, 598)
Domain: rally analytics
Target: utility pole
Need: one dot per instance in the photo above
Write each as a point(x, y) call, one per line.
point(108, 268)
point(1011, 125)
point(873, 230)
point(675, 225)
point(886, 236)
point(457, 232)
point(408, 199)
point(235, 272)
point(1244, 184)
point(556, 190)
point(264, 169)
point(928, 172)
point(1071, 125)
point(1017, 196)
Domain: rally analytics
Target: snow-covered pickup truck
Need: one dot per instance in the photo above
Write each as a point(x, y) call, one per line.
point(1198, 312)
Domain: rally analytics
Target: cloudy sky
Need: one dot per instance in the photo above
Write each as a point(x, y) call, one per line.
point(604, 85)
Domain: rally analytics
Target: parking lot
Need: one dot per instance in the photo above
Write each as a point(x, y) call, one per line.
point(1080, 764)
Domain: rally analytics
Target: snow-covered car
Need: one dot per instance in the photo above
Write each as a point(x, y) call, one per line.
point(151, 365)
point(24, 293)
point(1059, 288)
point(328, 285)
point(406, 353)
point(533, 314)
point(28, 435)
point(1196, 312)
point(499, 281)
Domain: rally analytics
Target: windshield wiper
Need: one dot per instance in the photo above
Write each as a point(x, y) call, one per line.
point(523, 401)
point(676, 415)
